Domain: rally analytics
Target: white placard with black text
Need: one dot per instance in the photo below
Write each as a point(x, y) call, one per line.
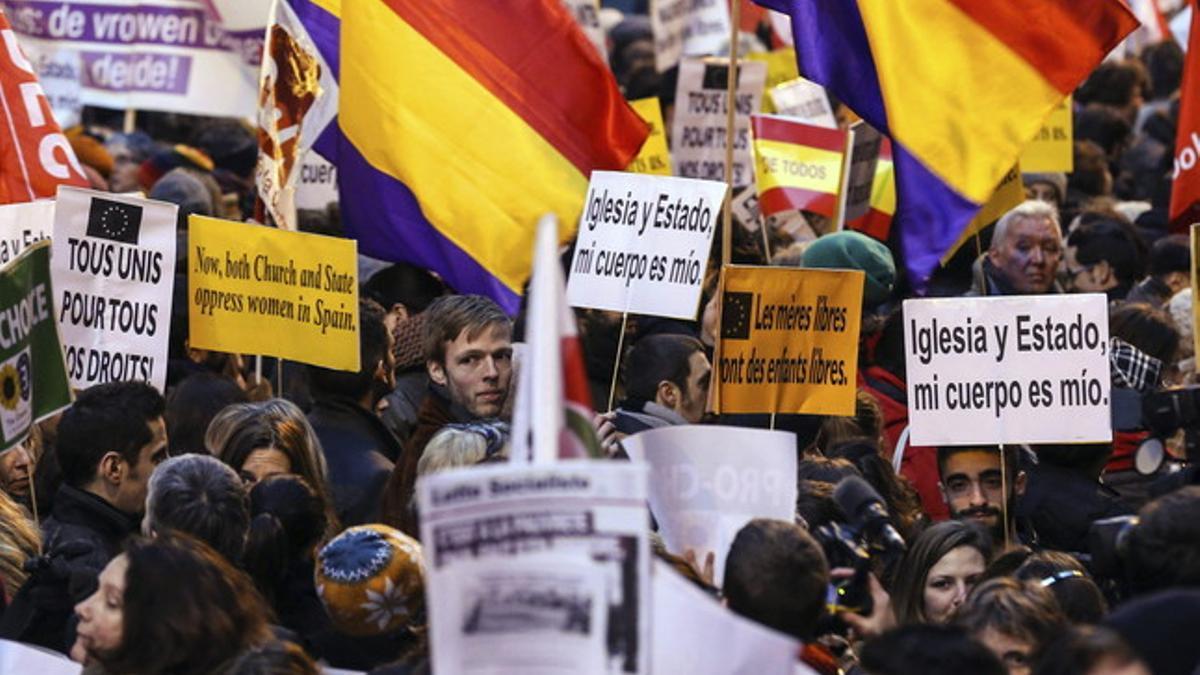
point(643, 244)
point(699, 128)
point(1015, 369)
point(113, 266)
point(22, 225)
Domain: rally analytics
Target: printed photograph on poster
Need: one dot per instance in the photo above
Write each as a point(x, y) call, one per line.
point(557, 552)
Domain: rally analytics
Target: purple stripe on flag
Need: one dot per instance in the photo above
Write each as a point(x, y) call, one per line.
point(929, 214)
point(832, 50)
point(324, 29)
point(384, 216)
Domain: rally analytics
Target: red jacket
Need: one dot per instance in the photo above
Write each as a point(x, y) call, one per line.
point(919, 465)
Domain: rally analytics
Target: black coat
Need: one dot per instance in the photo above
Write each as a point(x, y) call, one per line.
point(1062, 504)
point(360, 453)
point(81, 536)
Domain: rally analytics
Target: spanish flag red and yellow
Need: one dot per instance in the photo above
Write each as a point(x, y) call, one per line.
point(797, 166)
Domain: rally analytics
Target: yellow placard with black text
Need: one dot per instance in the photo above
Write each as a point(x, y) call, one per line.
point(1008, 195)
point(788, 341)
point(254, 289)
point(1052, 149)
point(654, 157)
point(781, 67)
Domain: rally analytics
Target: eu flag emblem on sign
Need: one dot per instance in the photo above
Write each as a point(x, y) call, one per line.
point(115, 221)
point(735, 316)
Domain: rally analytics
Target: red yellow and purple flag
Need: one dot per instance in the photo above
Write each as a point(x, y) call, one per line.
point(463, 123)
point(960, 86)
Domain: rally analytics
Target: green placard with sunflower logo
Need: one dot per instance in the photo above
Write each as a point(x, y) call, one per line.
point(33, 373)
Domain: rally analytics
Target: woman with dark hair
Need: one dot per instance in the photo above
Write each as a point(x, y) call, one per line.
point(287, 524)
point(1015, 620)
point(169, 605)
point(1078, 596)
point(193, 404)
point(941, 567)
point(272, 438)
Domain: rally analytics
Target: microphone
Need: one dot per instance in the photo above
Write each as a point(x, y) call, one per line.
point(866, 511)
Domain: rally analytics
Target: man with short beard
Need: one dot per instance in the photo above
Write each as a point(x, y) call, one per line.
point(974, 488)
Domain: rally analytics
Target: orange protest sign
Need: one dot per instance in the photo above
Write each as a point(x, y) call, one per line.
point(789, 341)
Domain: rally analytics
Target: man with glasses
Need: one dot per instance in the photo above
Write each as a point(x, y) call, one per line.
point(1024, 255)
point(975, 489)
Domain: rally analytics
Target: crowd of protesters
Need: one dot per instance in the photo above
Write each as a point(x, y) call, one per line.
point(242, 525)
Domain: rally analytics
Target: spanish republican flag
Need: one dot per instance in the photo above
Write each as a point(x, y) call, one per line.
point(464, 122)
point(960, 86)
point(796, 165)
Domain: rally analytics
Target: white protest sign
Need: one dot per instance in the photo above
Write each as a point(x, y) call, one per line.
point(1014, 369)
point(707, 482)
point(22, 225)
point(643, 244)
point(61, 74)
point(701, 105)
point(746, 209)
point(172, 55)
point(113, 264)
point(859, 172)
point(538, 569)
point(317, 187)
point(804, 100)
point(687, 28)
point(695, 634)
point(21, 658)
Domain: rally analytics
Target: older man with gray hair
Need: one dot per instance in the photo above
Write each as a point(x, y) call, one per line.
point(201, 496)
point(1025, 253)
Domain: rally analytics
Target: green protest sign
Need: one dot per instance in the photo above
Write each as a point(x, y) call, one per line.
point(33, 374)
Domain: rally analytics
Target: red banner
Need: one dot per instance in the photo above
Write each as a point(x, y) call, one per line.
point(1185, 190)
point(35, 157)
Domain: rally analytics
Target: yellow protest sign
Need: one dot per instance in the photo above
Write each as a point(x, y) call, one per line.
point(654, 157)
point(781, 67)
point(260, 290)
point(789, 340)
point(1051, 150)
point(1009, 193)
